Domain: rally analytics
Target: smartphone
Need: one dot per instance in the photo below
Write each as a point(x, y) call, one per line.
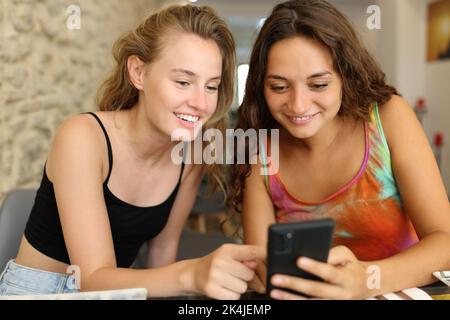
point(289, 241)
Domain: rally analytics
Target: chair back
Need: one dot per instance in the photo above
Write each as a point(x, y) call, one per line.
point(14, 214)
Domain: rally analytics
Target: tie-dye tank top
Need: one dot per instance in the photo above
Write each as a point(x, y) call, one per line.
point(368, 210)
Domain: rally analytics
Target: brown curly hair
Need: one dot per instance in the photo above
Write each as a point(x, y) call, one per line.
point(363, 82)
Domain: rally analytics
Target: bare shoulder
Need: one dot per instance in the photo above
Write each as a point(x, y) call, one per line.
point(78, 137)
point(396, 108)
point(85, 123)
point(398, 119)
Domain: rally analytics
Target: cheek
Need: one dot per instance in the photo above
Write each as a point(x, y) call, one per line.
point(159, 99)
point(212, 104)
point(170, 102)
point(274, 101)
point(166, 97)
point(330, 99)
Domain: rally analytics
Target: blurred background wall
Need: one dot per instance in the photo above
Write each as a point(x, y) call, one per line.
point(48, 72)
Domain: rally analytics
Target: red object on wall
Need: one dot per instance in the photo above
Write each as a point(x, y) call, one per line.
point(421, 104)
point(438, 139)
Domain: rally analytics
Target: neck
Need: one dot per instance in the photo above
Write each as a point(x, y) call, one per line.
point(146, 142)
point(322, 141)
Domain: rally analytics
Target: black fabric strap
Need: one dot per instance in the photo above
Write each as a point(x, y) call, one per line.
point(108, 143)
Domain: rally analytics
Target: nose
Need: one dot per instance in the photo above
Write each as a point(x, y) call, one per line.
point(299, 102)
point(198, 99)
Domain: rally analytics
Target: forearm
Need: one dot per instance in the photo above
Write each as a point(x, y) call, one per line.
point(159, 257)
point(414, 267)
point(171, 280)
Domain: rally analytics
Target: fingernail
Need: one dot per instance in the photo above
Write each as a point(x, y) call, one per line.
point(275, 294)
point(277, 280)
point(304, 262)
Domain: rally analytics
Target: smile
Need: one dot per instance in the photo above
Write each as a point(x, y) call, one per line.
point(186, 117)
point(302, 119)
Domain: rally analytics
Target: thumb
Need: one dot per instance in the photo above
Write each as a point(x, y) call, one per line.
point(252, 264)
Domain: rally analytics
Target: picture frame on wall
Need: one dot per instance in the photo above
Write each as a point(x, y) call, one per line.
point(438, 30)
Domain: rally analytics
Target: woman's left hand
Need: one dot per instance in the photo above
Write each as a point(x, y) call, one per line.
point(345, 277)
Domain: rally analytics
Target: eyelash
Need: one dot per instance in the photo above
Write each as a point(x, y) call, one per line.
point(185, 84)
point(182, 83)
point(279, 89)
point(320, 86)
point(211, 88)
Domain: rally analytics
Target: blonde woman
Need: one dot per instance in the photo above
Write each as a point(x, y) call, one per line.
point(109, 183)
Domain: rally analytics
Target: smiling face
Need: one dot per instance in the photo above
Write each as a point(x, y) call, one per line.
point(302, 90)
point(180, 88)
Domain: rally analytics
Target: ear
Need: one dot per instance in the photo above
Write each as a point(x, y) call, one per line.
point(136, 71)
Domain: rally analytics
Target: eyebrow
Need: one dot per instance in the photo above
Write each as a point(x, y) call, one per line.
point(315, 75)
point(191, 73)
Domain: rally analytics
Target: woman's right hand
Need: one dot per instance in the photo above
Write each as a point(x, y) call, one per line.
point(225, 273)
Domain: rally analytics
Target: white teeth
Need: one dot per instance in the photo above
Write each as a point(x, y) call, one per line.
point(302, 118)
point(187, 117)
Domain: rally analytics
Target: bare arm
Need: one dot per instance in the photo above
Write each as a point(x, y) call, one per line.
point(163, 248)
point(426, 203)
point(424, 198)
point(257, 215)
point(77, 168)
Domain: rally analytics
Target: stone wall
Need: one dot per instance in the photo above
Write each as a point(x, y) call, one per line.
point(49, 71)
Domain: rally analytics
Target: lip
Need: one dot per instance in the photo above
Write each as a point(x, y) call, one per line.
point(189, 114)
point(187, 124)
point(302, 122)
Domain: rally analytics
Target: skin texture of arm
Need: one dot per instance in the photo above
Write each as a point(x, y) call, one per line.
point(424, 197)
point(163, 248)
point(257, 200)
point(77, 168)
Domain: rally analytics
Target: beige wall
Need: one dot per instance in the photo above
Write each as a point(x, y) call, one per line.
point(48, 72)
point(401, 51)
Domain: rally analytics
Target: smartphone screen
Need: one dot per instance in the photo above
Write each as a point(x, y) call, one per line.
point(289, 241)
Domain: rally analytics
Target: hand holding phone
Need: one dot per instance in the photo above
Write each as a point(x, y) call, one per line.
point(289, 241)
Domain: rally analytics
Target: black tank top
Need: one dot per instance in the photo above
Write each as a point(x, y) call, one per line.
point(130, 225)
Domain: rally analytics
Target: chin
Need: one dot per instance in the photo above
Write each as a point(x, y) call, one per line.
point(298, 135)
point(302, 133)
point(182, 134)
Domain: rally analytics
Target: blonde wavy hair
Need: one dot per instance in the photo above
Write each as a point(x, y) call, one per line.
point(147, 41)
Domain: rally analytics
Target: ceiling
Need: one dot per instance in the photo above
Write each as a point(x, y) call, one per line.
point(243, 17)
